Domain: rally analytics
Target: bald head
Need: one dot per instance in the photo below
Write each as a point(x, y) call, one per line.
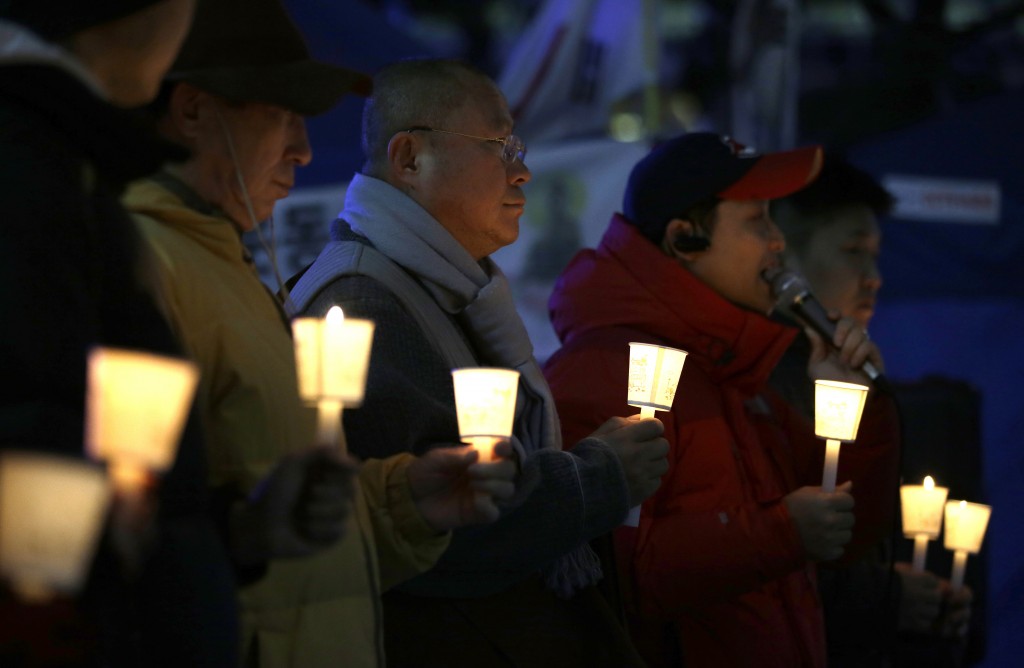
point(413, 93)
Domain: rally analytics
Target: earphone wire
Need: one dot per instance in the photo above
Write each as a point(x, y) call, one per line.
point(271, 248)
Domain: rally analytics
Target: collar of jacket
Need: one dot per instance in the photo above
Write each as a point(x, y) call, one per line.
point(652, 294)
point(188, 215)
point(123, 145)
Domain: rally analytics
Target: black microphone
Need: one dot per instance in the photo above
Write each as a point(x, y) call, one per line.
point(794, 292)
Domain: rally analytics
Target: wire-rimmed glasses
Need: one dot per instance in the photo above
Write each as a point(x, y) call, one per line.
point(512, 147)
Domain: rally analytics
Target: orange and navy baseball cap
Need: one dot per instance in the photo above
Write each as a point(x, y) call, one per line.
point(688, 169)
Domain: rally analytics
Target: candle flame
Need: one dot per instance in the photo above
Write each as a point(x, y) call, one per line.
point(929, 483)
point(963, 505)
point(335, 315)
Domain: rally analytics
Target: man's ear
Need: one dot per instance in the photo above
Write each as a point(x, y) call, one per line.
point(683, 240)
point(404, 156)
point(184, 111)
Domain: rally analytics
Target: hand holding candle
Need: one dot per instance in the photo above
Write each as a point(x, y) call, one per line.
point(451, 488)
point(837, 411)
point(965, 529)
point(332, 356)
point(922, 516)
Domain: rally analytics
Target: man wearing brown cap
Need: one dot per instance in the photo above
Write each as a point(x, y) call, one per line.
point(720, 570)
point(71, 279)
point(237, 97)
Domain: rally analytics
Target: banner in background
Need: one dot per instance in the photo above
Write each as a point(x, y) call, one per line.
point(575, 189)
point(574, 61)
point(765, 64)
point(302, 223)
point(944, 200)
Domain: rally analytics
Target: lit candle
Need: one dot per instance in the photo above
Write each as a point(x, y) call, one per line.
point(485, 405)
point(653, 377)
point(329, 403)
point(136, 407)
point(837, 411)
point(922, 516)
point(332, 356)
point(51, 515)
point(965, 529)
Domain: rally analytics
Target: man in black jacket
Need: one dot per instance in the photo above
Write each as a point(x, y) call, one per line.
point(874, 615)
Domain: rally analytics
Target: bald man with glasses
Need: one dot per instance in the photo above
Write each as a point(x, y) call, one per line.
point(441, 190)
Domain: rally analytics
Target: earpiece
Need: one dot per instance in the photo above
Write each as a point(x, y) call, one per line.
point(690, 244)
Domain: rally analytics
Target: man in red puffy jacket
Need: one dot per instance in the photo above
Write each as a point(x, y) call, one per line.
point(720, 570)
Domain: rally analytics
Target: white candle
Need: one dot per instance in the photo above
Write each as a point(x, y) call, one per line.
point(965, 530)
point(651, 386)
point(828, 477)
point(956, 579)
point(837, 411)
point(920, 552)
point(328, 423)
point(332, 357)
point(333, 362)
point(921, 507)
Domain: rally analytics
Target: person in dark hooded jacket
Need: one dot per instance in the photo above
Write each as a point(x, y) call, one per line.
point(72, 277)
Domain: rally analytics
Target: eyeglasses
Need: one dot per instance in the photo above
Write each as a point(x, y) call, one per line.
point(512, 147)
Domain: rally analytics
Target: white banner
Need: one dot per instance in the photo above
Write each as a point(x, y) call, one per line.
point(938, 200)
point(573, 62)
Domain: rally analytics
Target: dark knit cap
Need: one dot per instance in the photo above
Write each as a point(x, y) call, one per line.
point(55, 20)
point(251, 51)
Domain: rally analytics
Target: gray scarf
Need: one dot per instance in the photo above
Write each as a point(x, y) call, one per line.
point(478, 296)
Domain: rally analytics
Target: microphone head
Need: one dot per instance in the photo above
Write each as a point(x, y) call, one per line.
point(788, 286)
